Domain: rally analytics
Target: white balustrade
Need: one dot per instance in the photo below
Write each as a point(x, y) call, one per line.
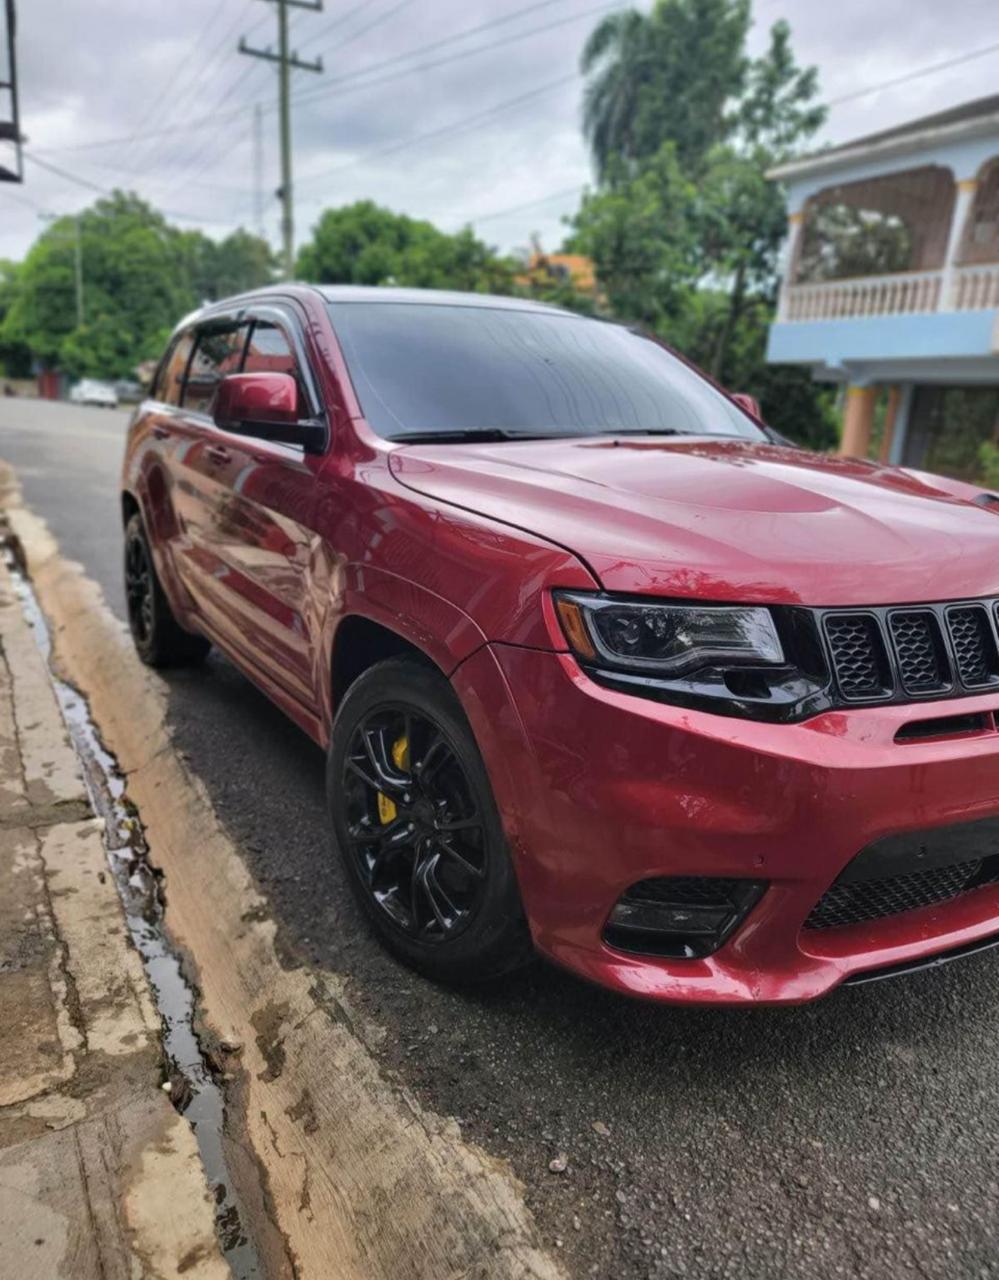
point(903, 293)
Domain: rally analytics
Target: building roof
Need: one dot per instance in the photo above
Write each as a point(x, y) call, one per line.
point(968, 118)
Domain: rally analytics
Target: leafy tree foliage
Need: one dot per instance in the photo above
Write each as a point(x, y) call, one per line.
point(363, 243)
point(685, 228)
point(665, 76)
point(140, 276)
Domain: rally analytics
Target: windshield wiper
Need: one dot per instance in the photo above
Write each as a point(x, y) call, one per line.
point(484, 435)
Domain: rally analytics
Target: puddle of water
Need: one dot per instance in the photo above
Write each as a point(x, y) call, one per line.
point(196, 1093)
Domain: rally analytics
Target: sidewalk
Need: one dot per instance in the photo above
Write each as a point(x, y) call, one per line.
point(99, 1175)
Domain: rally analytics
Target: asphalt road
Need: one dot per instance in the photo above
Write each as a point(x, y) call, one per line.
point(855, 1137)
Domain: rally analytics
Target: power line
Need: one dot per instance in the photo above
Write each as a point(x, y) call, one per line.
point(467, 122)
point(375, 22)
point(198, 73)
point(530, 204)
point(914, 75)
point(198, 123)
point(203, 156)
point(106, 191)
point(344, 17)
point(154, 106)
point(345, 84)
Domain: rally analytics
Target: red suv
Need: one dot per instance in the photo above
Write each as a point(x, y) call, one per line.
point(603, 668)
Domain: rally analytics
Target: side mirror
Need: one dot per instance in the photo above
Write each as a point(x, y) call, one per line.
point(265, 406)
point(748, 403)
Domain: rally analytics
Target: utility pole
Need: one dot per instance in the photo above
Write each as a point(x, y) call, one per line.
point(258, 169)
point(287, 61)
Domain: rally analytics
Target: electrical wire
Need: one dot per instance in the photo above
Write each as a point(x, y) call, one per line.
point(956, 61)
point(106, 191)
point(432, 135)
point(346, 84)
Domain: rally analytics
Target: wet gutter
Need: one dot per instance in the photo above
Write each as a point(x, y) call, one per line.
point(193, 1082)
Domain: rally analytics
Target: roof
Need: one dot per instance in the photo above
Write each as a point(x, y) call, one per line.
point(969, 118)
point(429, 297)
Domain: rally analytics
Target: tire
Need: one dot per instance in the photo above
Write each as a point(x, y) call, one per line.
point(443, 898)
point(159, 639)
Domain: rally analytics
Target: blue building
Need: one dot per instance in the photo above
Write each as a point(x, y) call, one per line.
point(891, 285)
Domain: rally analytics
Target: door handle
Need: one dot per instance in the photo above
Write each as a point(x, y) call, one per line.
point(217, 453)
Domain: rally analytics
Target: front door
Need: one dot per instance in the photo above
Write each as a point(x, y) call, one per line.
point(263, 527)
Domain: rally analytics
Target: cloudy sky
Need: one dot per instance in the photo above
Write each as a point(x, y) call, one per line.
point(454, 110)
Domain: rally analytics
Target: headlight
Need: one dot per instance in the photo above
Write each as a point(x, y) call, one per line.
point(668, 640)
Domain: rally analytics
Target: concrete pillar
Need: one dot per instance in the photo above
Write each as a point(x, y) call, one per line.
point(891, 416)
point(858, 419)
point(789, 259)
point(963, 202)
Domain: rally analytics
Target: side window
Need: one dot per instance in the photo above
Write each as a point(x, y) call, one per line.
point(169, 384)
point(219, 351)
point(270, 351)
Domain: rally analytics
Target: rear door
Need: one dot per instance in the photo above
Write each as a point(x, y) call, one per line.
point(263, 522)
point(202, 470)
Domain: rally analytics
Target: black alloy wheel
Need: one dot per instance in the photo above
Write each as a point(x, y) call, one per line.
point(159, 639)
point(418, 829)
point(139, 589)
point(413, 825)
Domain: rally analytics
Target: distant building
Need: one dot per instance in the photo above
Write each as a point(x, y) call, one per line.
point(560, 268)
point(892, 281)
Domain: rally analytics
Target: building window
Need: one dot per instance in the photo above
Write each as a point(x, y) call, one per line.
point(981, 237)
point(881, 226)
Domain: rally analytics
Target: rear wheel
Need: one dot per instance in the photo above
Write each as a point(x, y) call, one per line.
point(159, 638)
point(417, 826)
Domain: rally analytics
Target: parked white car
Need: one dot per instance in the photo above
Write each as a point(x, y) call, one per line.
point(90, 391)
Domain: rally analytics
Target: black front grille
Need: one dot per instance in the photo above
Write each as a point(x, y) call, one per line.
point(846, 904)
point(922, 660)
point(974, 644)
point(691, 891)
point(896, 654)
point(858, 654)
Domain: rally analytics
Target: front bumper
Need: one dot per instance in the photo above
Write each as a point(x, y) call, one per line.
point(600, 789)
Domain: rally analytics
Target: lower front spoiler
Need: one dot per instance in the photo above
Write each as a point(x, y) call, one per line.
point(917, 966)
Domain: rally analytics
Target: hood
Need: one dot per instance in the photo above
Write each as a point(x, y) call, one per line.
point(727, 520)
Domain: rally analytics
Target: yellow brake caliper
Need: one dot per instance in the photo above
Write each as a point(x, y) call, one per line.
point(387, 812)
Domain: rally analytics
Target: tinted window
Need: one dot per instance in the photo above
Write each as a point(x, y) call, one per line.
point(431, 368)
point(170, 383)
point(219, 351)
point(270, 351)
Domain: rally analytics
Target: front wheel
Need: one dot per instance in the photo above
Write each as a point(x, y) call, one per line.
point(417, 827)
point(159, 638)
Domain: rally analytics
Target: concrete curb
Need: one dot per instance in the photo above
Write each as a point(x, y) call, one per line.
point(99, 1175)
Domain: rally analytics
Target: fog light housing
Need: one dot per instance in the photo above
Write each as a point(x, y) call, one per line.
point(684, 917)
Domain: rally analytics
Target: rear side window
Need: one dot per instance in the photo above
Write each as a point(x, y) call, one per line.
point(170, 382)
point(219, 351)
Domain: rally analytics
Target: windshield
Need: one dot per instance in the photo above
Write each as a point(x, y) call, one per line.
point(434, 369)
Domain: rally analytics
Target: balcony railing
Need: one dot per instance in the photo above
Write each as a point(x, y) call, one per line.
point(904, 293)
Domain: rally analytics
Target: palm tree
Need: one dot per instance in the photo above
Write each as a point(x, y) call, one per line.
point(614, 56)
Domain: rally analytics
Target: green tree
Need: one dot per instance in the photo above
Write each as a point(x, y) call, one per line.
point(15, 358)
point(665, 76)
point(220, 269)
point(140, 275)
point(640, 233)
point(363, 243)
